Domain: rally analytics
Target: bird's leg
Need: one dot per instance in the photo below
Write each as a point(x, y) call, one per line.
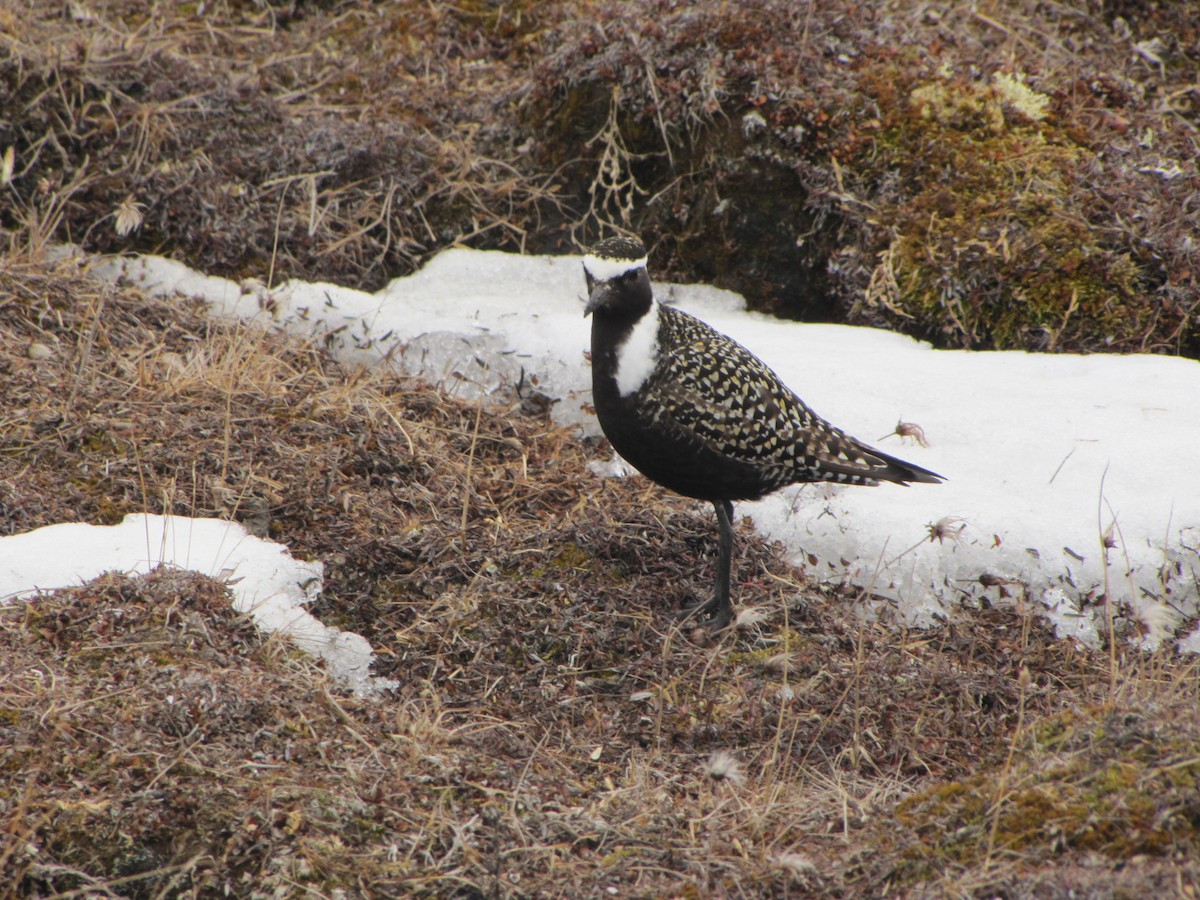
point(723, 613)
point(719, 606)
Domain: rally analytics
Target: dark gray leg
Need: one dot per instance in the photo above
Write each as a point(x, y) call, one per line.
point(720, 607)
point(724, 606)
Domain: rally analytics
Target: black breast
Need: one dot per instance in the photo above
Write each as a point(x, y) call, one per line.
point(655, 428)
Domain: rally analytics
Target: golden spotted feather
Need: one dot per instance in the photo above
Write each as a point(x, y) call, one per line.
point(712, 390)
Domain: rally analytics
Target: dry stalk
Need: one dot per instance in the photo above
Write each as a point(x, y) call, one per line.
point(467, 480)
point(614, 189)
point(1024, 681)
point(1109, 603)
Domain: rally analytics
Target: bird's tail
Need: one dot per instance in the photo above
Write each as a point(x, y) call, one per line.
point(889, 468)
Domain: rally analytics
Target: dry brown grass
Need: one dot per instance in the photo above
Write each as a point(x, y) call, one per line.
point(1018, 175)
point(553, 734)
point(345, 142)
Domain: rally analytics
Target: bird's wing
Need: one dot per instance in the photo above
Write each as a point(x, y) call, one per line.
point(718, 394)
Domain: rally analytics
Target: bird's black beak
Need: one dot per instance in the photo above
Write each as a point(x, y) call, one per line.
point(599, 298)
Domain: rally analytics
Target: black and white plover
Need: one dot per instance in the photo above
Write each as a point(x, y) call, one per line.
point(700, 414)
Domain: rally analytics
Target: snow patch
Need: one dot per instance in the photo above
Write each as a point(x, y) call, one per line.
point(266, 581)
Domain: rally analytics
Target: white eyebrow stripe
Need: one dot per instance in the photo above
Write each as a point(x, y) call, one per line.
point(603, 269)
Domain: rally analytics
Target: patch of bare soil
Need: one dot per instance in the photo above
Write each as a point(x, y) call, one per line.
point(554, 732)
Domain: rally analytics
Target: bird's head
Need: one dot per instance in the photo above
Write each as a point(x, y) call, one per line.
point(617, 281)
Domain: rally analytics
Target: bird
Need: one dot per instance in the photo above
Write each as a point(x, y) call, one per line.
point(699, 414)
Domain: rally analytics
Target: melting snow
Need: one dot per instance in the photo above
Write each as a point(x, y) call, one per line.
point(1048, 457)
point(265, 580)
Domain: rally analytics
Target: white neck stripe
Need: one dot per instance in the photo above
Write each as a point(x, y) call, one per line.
point(603, 269)
point(637, 356)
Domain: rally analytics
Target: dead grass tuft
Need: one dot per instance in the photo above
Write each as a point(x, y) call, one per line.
point(270, 140)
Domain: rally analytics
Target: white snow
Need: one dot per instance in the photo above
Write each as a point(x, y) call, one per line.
point(1048, 457)
point(265, 580)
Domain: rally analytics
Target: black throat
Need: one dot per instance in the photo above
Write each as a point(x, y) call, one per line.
point(611, 328)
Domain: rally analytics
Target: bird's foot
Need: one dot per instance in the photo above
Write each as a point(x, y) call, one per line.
point(716, 612)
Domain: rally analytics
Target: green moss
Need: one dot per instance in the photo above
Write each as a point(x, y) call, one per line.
point(617, 857)
point(572, 556)
point(1052, 732)
point(788, 643)
point(994, 247)
point(1119, 776)
point(1087, 782)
